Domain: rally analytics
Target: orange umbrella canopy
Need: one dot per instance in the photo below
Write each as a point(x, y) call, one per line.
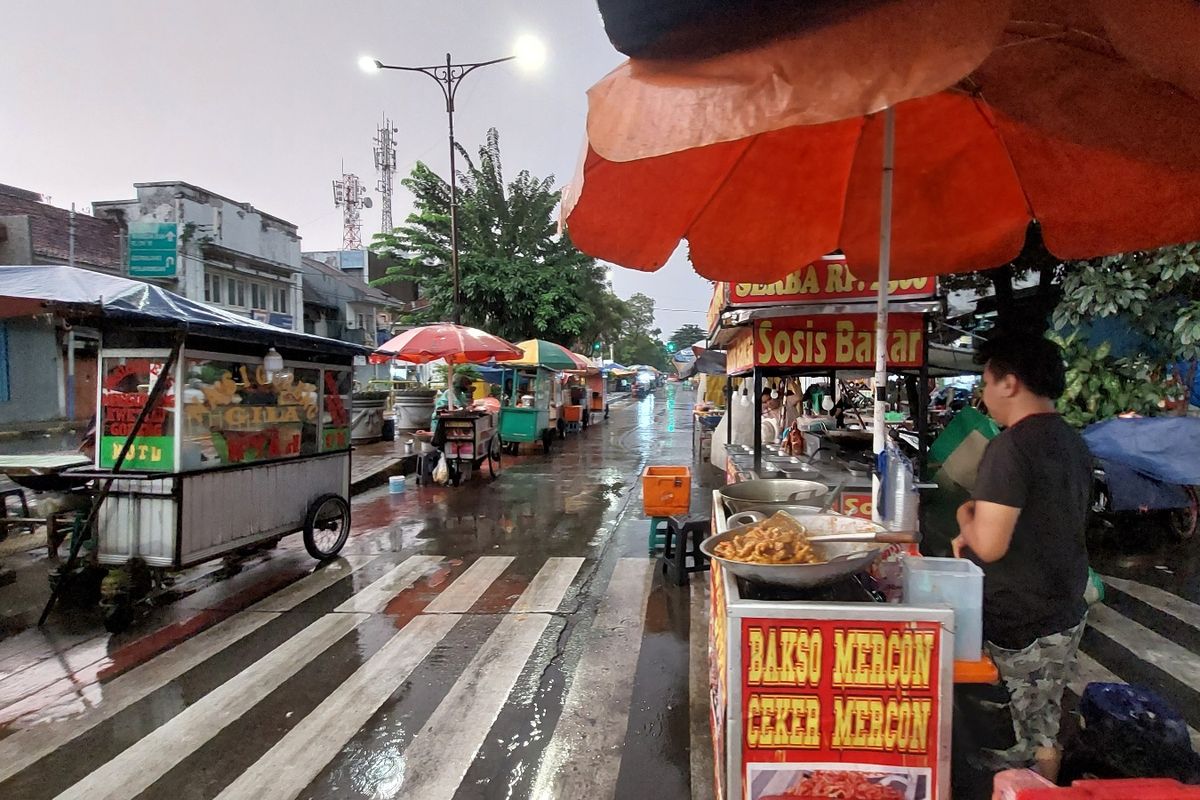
point(1081, 118)
point(457, 344)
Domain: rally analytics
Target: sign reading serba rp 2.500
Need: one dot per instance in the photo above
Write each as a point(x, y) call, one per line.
point(828, 705)
point(829, 279)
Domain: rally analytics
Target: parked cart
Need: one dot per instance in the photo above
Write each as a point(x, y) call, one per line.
point(215, 433)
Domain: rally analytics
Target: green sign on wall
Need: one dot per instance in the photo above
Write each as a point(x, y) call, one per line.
point(152, 251)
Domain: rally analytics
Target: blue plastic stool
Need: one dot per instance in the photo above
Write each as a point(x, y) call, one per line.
point(658, 533)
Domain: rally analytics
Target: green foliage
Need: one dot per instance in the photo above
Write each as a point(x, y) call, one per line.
point(1157, 290)
point(638, 340)
point(1100, 386)
point(687, 336)
point(470, 370)
point(519, 279)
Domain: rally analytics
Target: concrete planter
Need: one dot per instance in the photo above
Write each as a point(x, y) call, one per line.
point(367, 414)
point(414, 410)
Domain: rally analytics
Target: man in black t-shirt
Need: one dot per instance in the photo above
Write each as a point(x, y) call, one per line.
point(1025, 527)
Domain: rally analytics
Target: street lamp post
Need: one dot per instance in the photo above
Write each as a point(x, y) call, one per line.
point(448, 77)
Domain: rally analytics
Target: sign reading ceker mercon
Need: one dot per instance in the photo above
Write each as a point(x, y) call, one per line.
point(152, 250)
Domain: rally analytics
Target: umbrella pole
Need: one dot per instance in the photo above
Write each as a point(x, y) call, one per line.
point(881, 300)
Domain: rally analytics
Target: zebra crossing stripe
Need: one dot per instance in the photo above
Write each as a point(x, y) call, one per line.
point(584, 755)
point(375, 597)
point(442, 752)
point(139, 766)
point(300, 756)
point(548, 588)
point(27, 746)
point(1178, 662)
point(1163, 601)
point(459, 596)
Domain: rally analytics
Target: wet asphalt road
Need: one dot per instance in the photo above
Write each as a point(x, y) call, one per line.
point(505, 639)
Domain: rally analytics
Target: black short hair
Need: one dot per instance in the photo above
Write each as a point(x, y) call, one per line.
point(1035, 360)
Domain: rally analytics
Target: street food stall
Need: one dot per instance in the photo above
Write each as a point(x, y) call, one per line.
point(468, 436)
point(215, 432)
point(534, 410)
point(529, 415)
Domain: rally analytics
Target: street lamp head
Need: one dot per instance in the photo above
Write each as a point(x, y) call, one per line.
point(529, 52)
point(369, 65)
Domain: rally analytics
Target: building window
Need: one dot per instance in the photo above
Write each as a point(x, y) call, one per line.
point(259, 296)
point(237, 293)
point(212, 288)
point(280, 301)
point(361, 320)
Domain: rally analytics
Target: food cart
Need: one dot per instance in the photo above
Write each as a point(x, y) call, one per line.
point(597, 395)
point(469, 437)
point(215, 432)
point(528, 415)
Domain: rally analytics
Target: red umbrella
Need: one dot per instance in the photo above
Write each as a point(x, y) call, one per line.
point(457, 344)
point(1077, 119)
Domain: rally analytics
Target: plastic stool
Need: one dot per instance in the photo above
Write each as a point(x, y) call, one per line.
point(675, 549)
point(659, 531)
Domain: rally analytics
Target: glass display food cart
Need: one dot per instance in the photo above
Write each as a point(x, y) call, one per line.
point(216, 433)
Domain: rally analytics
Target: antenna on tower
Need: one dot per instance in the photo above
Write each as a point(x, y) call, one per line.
point(385, 166)
point(349, 196)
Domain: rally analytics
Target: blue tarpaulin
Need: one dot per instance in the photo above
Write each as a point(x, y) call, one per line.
point(1140, 455)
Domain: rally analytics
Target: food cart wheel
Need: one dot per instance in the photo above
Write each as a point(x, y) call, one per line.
point(1184, 521)
point(493, 457)
point(547, 439)
point(327, 526)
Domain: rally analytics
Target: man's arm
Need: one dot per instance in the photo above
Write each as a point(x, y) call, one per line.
point(986, 528)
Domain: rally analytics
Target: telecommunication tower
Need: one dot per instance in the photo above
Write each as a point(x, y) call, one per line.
point(385, 166)
point(348, 195)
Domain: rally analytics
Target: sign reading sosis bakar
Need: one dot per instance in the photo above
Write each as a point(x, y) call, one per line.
point(833, 340)
point(841, 708)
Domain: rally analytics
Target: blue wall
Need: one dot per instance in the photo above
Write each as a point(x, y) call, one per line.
point(33, 367)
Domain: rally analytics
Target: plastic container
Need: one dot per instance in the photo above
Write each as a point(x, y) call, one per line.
point(573, 413)
point(396, 484)
point(1009, 784)
point(666, 491)
point(957, 583)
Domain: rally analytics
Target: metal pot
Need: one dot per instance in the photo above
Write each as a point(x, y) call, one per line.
point(770, 495)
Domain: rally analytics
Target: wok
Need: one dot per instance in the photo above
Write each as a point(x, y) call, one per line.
point(850, 440)
point(861, 544)
point(771, 494)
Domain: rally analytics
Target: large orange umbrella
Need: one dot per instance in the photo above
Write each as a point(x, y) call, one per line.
point(1082, 119)
point(457, 344)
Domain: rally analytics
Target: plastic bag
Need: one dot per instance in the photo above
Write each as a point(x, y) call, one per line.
point(441, 473)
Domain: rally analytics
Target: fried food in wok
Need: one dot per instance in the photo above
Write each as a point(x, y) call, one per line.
point(777, 540)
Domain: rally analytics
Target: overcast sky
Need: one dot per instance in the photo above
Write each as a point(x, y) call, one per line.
point(262, 101)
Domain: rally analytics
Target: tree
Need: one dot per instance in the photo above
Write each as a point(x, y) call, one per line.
point(687, 336)
point(639, 341)
point(519, 279)
point(1155, 295)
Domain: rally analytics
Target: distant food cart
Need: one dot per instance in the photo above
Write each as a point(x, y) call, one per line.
point(215, 432)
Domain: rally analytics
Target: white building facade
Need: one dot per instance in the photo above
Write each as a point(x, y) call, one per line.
point(227, 253)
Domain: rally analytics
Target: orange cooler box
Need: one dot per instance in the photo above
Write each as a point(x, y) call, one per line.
point(572, 413)
point(666, 491)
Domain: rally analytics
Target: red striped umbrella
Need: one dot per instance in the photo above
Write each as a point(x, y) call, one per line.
point(457, 344)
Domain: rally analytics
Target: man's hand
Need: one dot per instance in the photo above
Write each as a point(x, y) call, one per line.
point(957, 544)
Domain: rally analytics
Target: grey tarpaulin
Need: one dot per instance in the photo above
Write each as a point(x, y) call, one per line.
point(26, 290)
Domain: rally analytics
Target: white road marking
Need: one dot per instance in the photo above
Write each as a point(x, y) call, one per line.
point(584, 755)
point(139, 766)
point(375, 597)
point(300, 756)
point(1164, 601)
point(441, 753)
point(458, 597)
point(29, 745)
point(1178, 662)
point(547, 589)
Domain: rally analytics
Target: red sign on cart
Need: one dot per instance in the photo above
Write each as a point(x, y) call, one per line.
point(841, 708)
